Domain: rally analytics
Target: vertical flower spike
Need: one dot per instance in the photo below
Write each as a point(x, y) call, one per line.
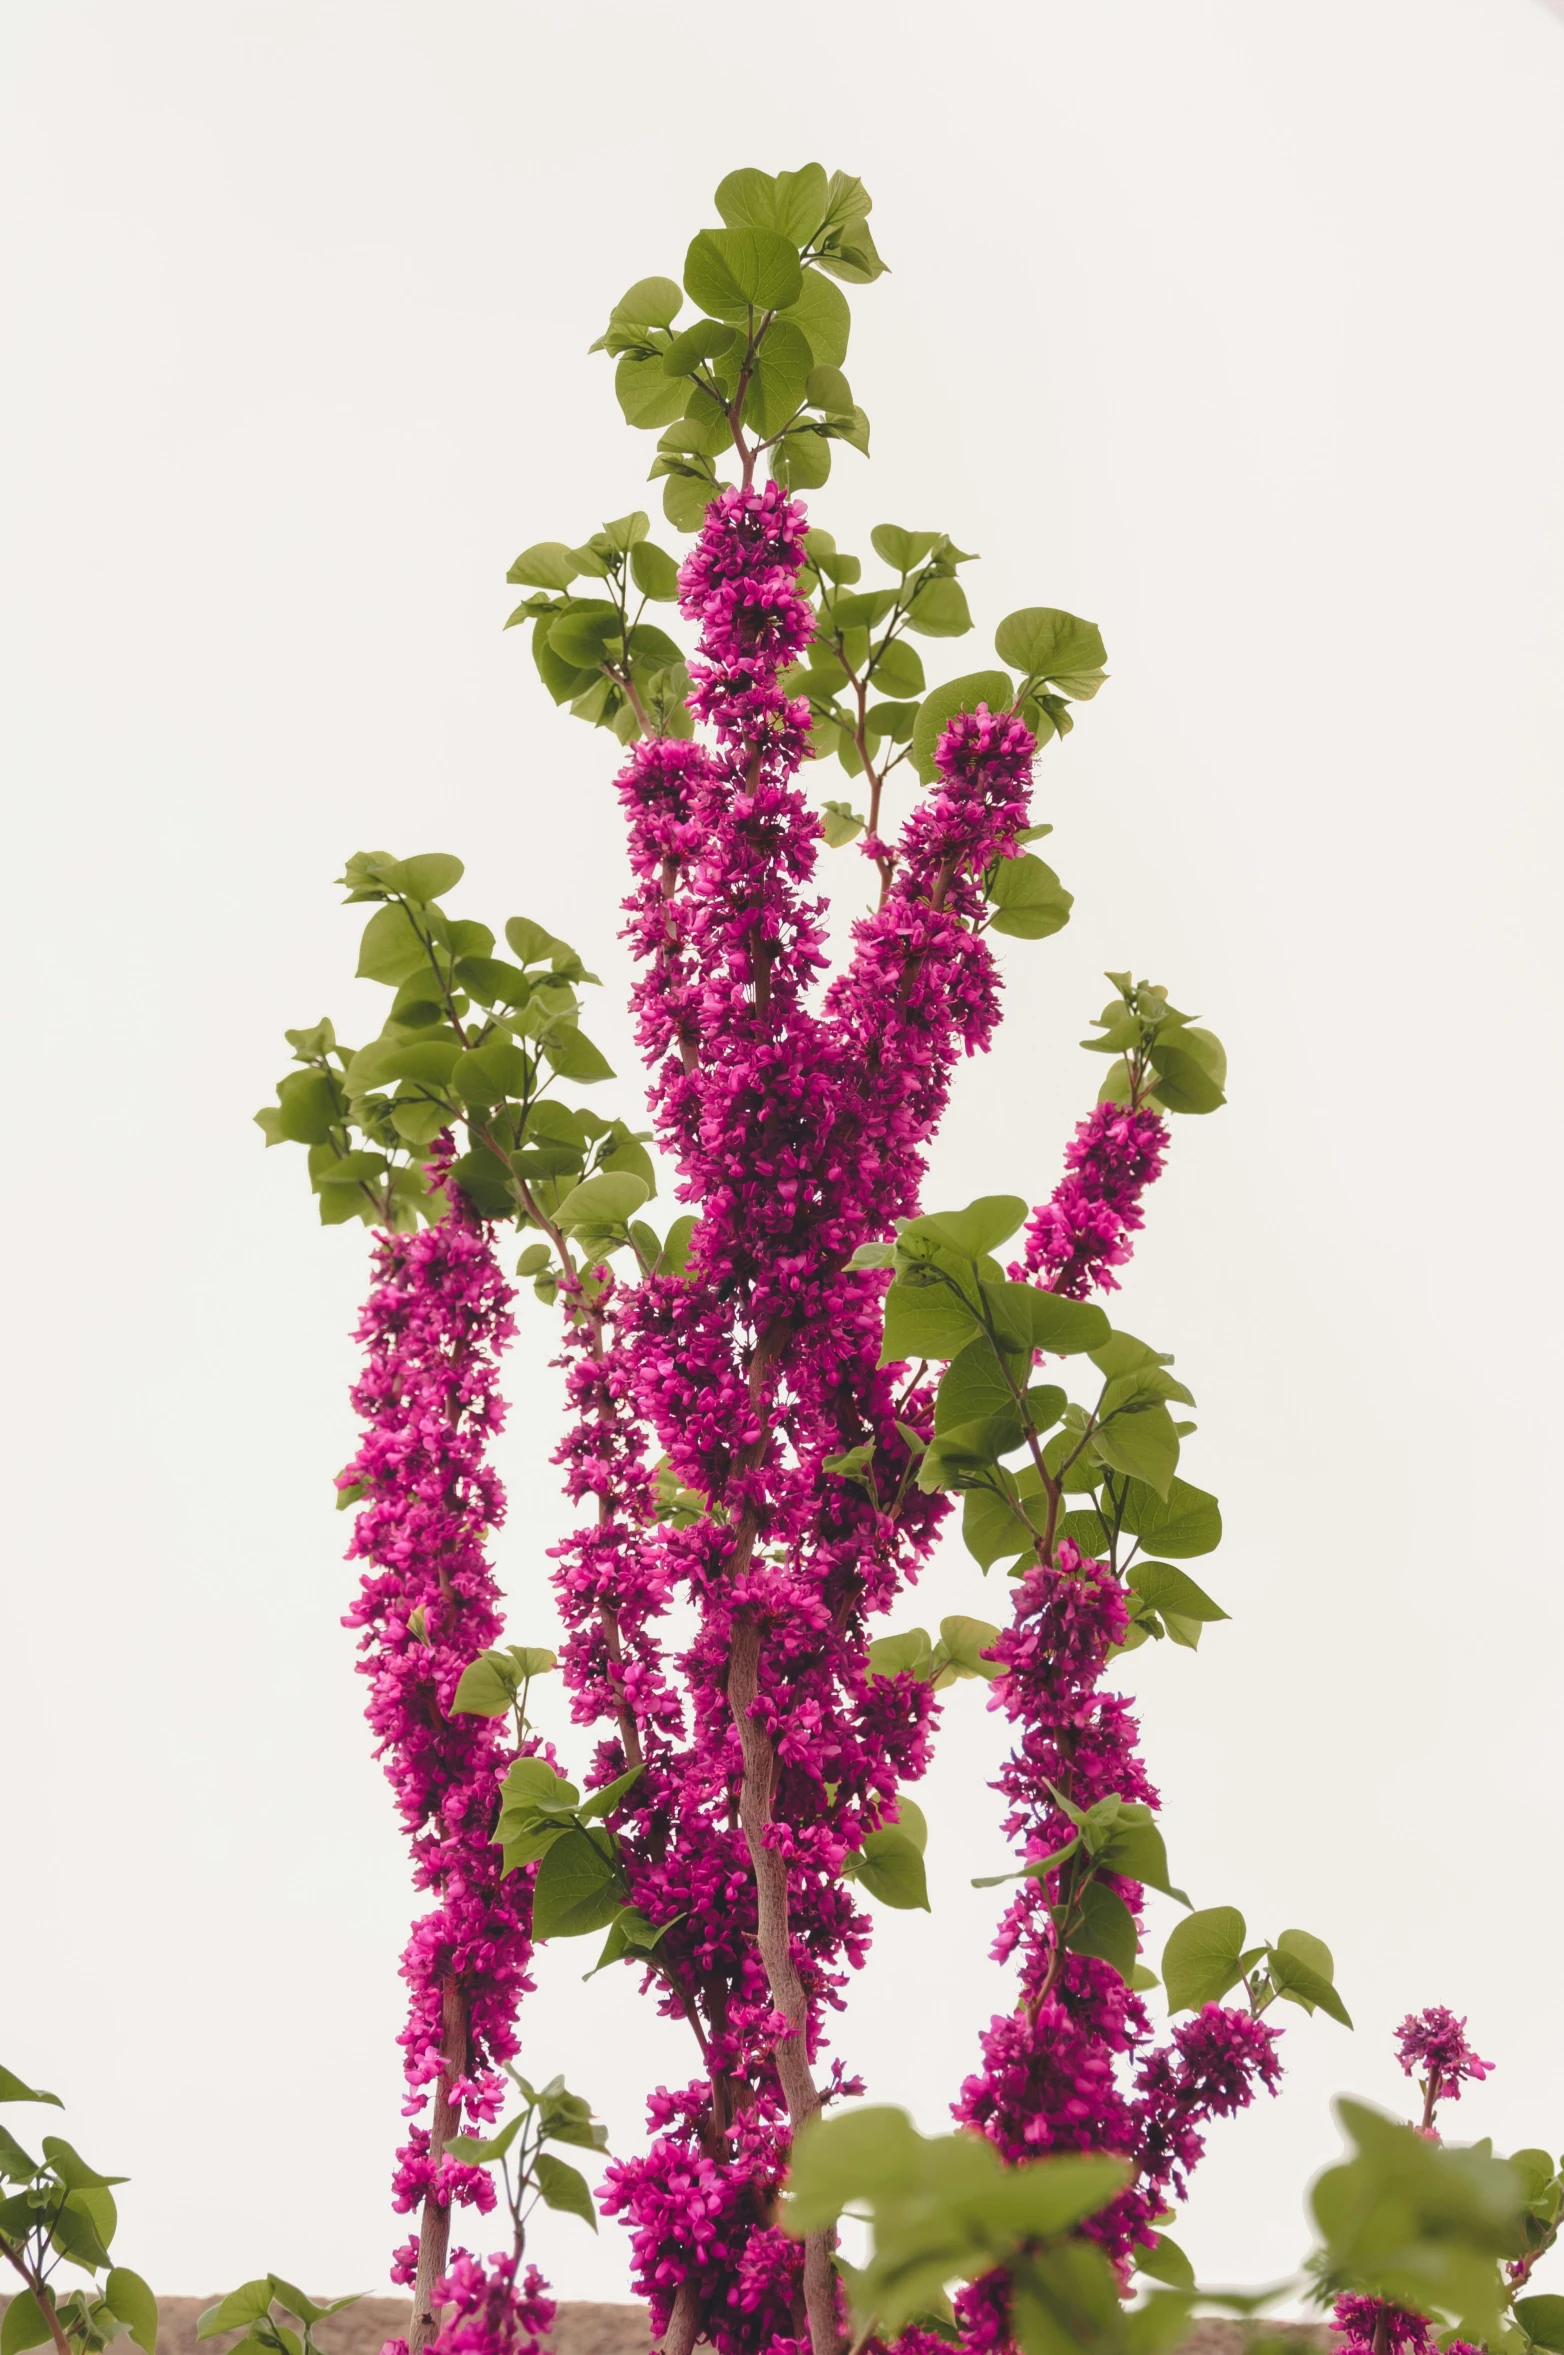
point(427, 1606)
point(1075, 2065)
point(1073, 2068)
point(1083, 1231)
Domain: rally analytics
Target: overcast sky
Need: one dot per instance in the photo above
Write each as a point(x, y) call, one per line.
point(1235, 328)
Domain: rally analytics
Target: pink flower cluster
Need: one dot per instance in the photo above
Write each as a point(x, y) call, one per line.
point(488, 2313)
point(1432, 2044)
point(1082, 1232)
point(427, 1606)
point(1369, 2326)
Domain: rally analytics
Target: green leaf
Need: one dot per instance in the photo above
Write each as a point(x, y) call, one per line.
point(1059, 2302)
point(1297, 1979)
point(1106, 1929)
point(1026, 1318)
point(801, 461)
point(654, 572)
point(650, 302)
point(940, 610)
point(973, 1388)
point(851, 254)
point(902, 550)
point(1142, 1443)
point(747, 199)
point(924, 1321)
point(563, 2187)
point(16, 2089)
point(840, 823)
point(686, 498)
point(486, 1075)
point(1043, 643)
point(534, 946)
point(1200, 1961)
point(647, 395)
point(578, 1887)
point(896, 720)
point(1137, 1852)
point(1166, 2262)
point(911, 1820)
point(486, 1182)
point(890, 1866)
point(991, 1530)
point(1187, 1522)
point(548, 565)
point(573, 1054)
point(603, 1801)
point(1031, 900)
point(487, 1687)
point(72, 2169)
point(822, 311)
point(860, 609)
point(909, 1651)
point(897, 669)
point(532, 1782)
point(627, 531)
point(242, 2306)
point(1542, 2319)
point(828, 389)
point(130, 2300)
point(391, 948)
point(992, 688)
point(630, 1932)
point(966, 1641)
point(1183, 1084)
point(779, 374)
point(1162, 1587)
point(24, 2326)
point(608, 1200)
point(864, 2153)
point(430, 874)
point(562, 679)
point(972, 1232)
point(588, 636)
point(730, 272)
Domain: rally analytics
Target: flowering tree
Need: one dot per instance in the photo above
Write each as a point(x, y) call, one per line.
point(776, 1403)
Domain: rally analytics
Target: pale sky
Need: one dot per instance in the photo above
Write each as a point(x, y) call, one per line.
point(1234, 327)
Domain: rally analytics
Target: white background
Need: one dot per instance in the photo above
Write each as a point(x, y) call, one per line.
point(1236, 328)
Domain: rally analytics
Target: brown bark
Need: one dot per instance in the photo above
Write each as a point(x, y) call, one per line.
point(773, 1938)
point(434, 2224)
point(684, 2322)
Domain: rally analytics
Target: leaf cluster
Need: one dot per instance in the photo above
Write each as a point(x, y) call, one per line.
point(57, 2209)
point(529, 2173)
point(1161, 1057)
point(1210, 1953)
point(472, 1043)
point(596, 651)
point(257, 2308)
point(580, 1885)
point(951, 1299)
point(1426, 2226)
point(758, 368)
point(945, 2209)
